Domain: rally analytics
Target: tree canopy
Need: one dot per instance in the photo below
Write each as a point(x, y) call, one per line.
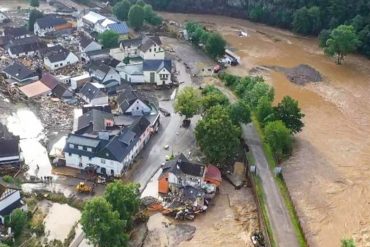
point(212, 96)
point(342, 41)
point(264, 111)
point(217, 136)
point(136, 16)
point(188, 102)
point(289, 112)
point(124, 198)
point(240, 112)
point(278, 136)
point(121, 9)
point(307, 20)
point(215, 45)
point(17, 221)
point(102, 225)
point(34, 15)
point(109, 39)
point(34, 3)
point(348, 243)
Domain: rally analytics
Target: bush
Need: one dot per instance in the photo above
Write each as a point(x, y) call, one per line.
point(278, 136)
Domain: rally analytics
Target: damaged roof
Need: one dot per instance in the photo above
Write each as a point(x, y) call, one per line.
point(93, 121)
point(181, 165)
point(50, 21)
point(26, 45)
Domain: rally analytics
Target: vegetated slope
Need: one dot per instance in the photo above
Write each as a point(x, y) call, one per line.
point(309, 17)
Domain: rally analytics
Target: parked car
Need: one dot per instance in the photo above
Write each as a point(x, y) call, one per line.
point(164, 112)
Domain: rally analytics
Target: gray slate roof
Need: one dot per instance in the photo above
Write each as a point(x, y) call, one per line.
point(132, 42)
point(91, 92)
point(15, 32)
point(50, 21)
point(19, 71)
point(26, 45)
point(93, 121)
point(149, 41)
point(157, 65)
point(181, 165)
point(126, 98)
point(56, 53)
point(85, 41)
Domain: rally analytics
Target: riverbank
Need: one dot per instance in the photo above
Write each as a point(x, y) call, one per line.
point(330, 162)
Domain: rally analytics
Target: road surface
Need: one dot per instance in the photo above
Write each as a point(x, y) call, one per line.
point(282, 226)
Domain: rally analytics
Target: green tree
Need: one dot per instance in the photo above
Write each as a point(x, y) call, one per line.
point(136, 17)
point(148, 12)
point(260, 89)
point(240, 112)
point(264, 111)
point(125, 199)
point(3, 245)
point(307, 20)
point(141, 3)
point(34, 3)
point(102, 224)
point(289, 112)
point(217, 136)
point(121, 9)
point(215, 45)
point(342, 41)
point(323, 37)
point(109, 39)
point(278, 136)
point(197, 35)
point(348, 243)
point(212, 96)
point(17, 221)
point(8, 179)
point(187, 102)
point(34, 15)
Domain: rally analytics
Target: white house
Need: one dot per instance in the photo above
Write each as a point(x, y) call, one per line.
point(10, 199)
point(151, 49)
point(79, 81)
point(111, 156)
point(20, 73)
point(48, 24)
point(132, 102)
point(130, 47)
point(132, 73)
point(59, 57)
point(93, 94)
point(157, 71)
point(103, 73)
point(28, 46)
point(89, 20)
point(3, 17)
point(87, 44)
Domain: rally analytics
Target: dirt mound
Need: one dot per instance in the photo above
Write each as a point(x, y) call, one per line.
point(300, 74)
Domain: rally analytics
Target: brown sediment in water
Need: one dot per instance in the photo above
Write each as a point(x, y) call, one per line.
point(328, 174)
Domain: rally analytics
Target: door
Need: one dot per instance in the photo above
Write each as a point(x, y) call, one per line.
point(152, 77)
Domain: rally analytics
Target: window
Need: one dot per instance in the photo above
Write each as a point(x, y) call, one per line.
point(89, 149)
point(61, 64)
point(103, 161)
point(163, 76)
point(80, 147)
point(155, 49)
point(137, 108)
point(80, 164)
point(71, 145)
point(150, 50)
point(56, 65)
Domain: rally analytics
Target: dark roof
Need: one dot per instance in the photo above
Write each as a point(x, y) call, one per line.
point(9, 143)
point(25, 45)
point(15, 32)
point(131, 42)
point(19, 71)
point(157, 64)
point(85, 41)
point(91, 92)
point(50, 21)
point(49, 80)
point(56, 53)
point(120, 28)
point(181, 165)
point(93, 121)
point(61, 91)
point(126, 98)
point(149, 42)
point(121, 145)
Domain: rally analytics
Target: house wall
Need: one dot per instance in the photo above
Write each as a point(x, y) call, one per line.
point(93, 46)
point(10, 159)
point(99, 101)
point(10, 199)
point(132, 51)
point(154, 52)
point(71, 59)
point(42, 31)
point(112, 75)
point(13, 55)
point(158, 76)
point(138, 108)
point(132, 78)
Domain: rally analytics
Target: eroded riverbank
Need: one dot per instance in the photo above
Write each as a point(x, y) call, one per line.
point(328, 175)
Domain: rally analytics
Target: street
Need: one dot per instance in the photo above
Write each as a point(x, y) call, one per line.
point(278, 214)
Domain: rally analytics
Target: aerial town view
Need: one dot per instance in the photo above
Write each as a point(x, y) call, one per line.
point(205, 123)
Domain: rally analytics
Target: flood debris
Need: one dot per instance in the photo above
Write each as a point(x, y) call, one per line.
point(300, 74)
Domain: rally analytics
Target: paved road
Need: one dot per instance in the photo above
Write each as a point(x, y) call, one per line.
point(278, 214)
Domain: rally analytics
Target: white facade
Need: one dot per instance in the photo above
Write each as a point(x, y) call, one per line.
point(138, 108)
point(154, 52)
point(42, 31)
point(131, 51)
point(93, 46)
point(70, 59)
point(111, 167)
point(111, 75)
point(9, 159)
point(3, 17)
point(96, 101)
point(79, 81)
point(162, 77)
point(132, 78)
point(12, 55)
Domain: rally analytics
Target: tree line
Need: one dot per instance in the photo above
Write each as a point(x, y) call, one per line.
point(308, 17)
point(218, 132)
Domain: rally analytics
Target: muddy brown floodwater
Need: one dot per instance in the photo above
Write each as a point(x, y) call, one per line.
point(328, 174)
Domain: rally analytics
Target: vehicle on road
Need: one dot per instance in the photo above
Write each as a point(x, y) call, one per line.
point(164, 112)
point(82, 187)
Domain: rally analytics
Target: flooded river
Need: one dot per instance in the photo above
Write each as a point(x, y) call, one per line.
point(328, 174)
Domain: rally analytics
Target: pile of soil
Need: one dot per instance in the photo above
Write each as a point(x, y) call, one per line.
point(300, 74)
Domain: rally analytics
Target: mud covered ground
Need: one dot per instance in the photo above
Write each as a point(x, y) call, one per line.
point(328, 174)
